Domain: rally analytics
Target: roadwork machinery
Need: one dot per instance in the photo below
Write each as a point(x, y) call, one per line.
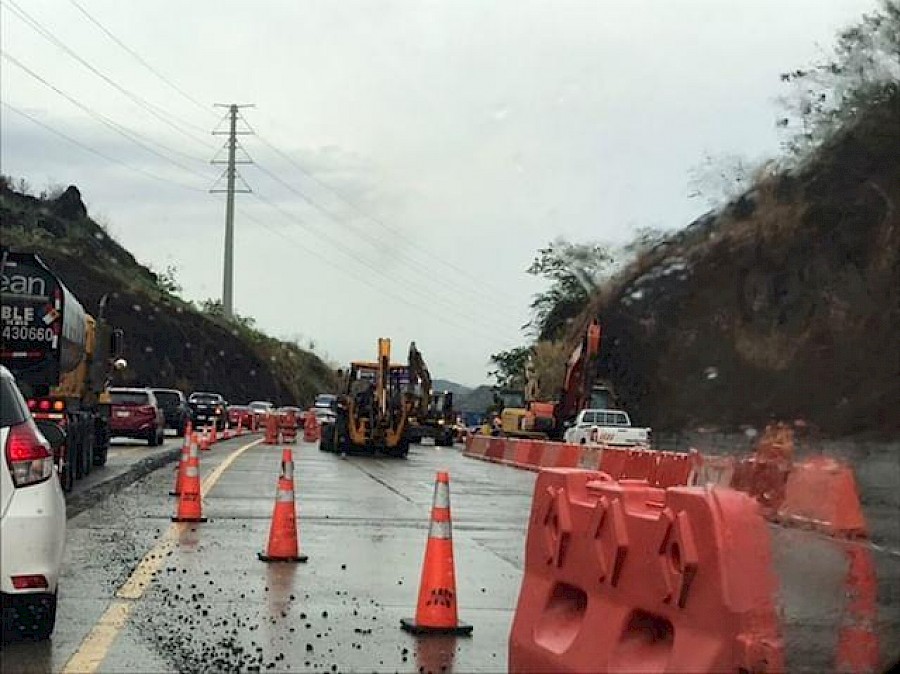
point(62, 358)
point(524, 415)
point(433, 414)
point(373, 410)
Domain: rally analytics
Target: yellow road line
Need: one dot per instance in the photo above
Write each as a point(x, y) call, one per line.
point(96, 645)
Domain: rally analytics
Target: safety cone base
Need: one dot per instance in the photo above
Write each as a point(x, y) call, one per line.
point(263, 557)
point(189, 519)
point(461, 629)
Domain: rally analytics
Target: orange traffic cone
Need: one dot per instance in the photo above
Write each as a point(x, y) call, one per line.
point(240, 426)
point(284, 545)
point(190, 508)
point(436, 609)
point(204, 439)
point(187, 449)
point(213, 439)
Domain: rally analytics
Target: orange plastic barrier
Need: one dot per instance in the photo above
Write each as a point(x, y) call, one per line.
point(624, 577)
point(612, 462)
point(821, 493)
point(675, 470)
point(287, 426)
point(311, 429)
point(640, 464)
point(271, 437)
point(858, 642)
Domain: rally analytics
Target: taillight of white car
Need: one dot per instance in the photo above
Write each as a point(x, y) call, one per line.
point(28, 454)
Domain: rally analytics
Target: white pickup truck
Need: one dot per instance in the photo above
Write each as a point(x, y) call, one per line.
point(605, 427)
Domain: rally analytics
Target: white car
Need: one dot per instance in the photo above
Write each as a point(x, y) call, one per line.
point(605, 427)
point(32, 520)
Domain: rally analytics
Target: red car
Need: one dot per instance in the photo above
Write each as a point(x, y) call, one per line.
point(135, 413)
point(239, 414)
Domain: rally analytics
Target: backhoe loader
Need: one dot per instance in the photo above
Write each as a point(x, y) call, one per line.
point(373, 409)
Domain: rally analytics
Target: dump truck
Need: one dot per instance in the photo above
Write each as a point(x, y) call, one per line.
point(62, 358)
point(433, 414)
point(372, 412)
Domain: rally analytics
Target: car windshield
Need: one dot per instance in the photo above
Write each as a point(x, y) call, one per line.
point(130, 398)
point(261, 406)
point(206, 398)
point(167, 398)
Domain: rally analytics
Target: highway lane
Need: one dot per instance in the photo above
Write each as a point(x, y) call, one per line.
point(213, 605)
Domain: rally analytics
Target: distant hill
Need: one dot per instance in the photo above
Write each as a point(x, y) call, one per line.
point(453, 387)
point(477, 400)
point(168, 341)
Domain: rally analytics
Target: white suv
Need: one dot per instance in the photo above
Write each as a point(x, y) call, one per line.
point(32, 520)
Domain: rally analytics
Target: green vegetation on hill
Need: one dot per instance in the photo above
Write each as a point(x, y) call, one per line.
point(169, 342)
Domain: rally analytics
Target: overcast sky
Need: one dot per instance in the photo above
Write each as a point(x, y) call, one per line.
point(423, 151)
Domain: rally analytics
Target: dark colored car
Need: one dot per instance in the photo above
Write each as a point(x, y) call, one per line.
point(207, 408)
point(135, 413)
point(174, 407)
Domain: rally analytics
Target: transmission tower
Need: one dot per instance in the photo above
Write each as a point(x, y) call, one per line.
point(231, 174)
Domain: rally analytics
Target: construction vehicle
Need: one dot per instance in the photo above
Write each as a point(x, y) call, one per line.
point(63, 359)
point(433, 414)
point(524, 415)
point(373, 411)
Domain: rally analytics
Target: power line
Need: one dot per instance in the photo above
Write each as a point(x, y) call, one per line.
point(146, 105)
point(368, 281)
point(408, 289)
point(140, 59)
point(478, 286)
point(332, 216)
point(115, 126)
point(97, 152)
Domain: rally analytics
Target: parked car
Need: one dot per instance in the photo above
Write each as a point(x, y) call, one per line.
point(325, 401)
point(208, 407)
point(32, 520)
point(261, 408)
point(135, 413)
point(175, 408)
point(239, 414)
point(324, 415)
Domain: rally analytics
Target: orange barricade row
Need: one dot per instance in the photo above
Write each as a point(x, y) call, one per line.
point(271, 429)
point(311, 429)
point(628, 577)
point(287, 426)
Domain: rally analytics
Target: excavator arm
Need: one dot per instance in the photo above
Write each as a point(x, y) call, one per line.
point(579, 375)
point(419, 374)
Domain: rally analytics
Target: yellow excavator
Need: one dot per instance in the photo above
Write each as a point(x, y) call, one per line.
point(433, 414)
point(373, 409)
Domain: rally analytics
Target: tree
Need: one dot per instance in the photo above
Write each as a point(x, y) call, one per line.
point(509, 367)
point(549, 362)
point(863, 71)
point(574, 270)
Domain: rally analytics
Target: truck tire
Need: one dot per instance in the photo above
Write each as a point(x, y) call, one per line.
point(100, 454)
point(87, 452)
point(67, 472)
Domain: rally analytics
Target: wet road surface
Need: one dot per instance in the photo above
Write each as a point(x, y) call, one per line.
point(194, 597)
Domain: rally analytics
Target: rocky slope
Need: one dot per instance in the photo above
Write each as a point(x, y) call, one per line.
point(168, 342)
point(785, 303)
